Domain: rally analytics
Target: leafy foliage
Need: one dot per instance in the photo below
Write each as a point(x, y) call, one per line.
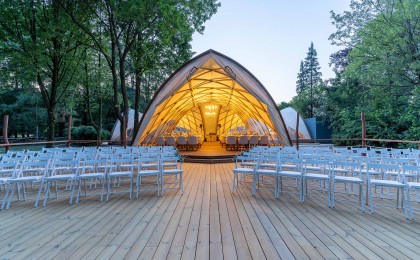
point(88, 133)
point(308, 83)
point(378, 71)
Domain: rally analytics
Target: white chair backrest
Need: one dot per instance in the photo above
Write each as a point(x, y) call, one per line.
point(33, 168)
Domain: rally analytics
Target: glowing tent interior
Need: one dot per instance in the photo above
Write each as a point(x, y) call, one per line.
point(212, 95)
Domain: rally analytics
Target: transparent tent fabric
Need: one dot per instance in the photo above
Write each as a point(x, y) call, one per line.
point(116, 136)
point(289, 115)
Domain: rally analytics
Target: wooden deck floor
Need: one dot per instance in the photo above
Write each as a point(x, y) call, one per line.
point(207, 222)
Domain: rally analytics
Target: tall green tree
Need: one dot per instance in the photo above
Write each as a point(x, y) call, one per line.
point(309, 78)
point(39, 38)
point(130, 25)
point(381, 39)
point(300, 83)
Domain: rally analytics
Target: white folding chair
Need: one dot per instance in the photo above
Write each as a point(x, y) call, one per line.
point(316, 170)
point(119, 169)
point(92, 171)
point(266, 173)
point(290, 168)
point(168, 169)
point(148, 167)
point(412, 172)
point(387, 182)
point(66, 170)
point(347, 173)
point(245, 166)
point(8, 170)
point(28, 172)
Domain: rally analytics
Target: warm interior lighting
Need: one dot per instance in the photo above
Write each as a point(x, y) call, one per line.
point(210, 114)
point(211, 107)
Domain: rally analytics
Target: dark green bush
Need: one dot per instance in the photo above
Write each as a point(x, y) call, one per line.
point(85, 132)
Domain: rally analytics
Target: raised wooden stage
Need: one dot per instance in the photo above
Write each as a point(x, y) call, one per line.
point(210, 152)
point(206, 222)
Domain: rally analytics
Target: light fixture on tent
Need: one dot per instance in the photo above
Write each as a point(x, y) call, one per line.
point(211, 107)
point(210, 114)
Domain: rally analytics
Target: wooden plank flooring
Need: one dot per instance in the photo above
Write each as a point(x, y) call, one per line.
point(207, 222)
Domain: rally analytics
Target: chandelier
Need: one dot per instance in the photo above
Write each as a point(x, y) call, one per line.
point(211, 107)
point(210, 114)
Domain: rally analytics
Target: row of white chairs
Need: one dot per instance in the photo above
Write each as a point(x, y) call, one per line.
point(329, 172)
point(107, 171)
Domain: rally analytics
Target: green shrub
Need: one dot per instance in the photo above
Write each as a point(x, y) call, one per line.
point(85, 132)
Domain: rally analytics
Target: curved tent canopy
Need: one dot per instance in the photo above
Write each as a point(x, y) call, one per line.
point(289, 115)
point(212, 94)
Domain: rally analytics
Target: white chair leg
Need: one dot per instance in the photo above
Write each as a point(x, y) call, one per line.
point(370, 199)
point(409, 204)
point(11, 195)
point(5, 196)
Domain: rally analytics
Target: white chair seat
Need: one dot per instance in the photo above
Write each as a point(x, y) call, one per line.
point(148, 172)
point(266, 171)
point(149, 165)
point(61, 177)
point(117, 174)
point(91, 176)
point(316, 176)
point(27, 179)
point(341, 170)
point(172, 171)
point(387, 183)
point(413, 185)
point(347, 179)
point(3, 180)
point(290, 174)
point(4, 171)
point(243, 170)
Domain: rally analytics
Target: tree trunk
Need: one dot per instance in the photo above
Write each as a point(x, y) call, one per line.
point(136, 104)
point(50, 126)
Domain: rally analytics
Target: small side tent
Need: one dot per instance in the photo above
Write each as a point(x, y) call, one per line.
point(289, 115)
point(116, 136)
point(212, 95)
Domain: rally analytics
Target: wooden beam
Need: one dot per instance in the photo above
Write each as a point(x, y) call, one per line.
point(362, 115)
point(5, 128)
point(68, 130)
point(297, 130)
